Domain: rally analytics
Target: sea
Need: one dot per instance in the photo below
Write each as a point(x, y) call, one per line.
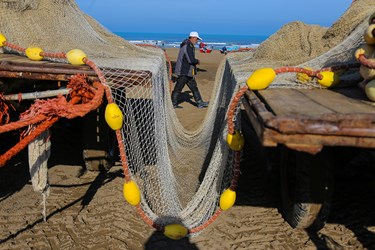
point(173, 40)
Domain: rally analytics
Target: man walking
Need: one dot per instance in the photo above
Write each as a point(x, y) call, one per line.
point(186, 70)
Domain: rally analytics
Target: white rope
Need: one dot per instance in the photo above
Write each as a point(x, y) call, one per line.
point(37, 94)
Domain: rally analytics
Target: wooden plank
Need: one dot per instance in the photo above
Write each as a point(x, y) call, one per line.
point(287, 102)
point(337, 102)
point(362, 126)
point(6, 57)
point(41, 76)
point(316, 141)
point(296, 128)
point(253, 118)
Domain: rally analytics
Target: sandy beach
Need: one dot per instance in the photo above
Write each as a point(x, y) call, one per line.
point(86, 210)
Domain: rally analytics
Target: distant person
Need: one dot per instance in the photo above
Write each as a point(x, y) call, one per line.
point(186, 70)
point(223, 50)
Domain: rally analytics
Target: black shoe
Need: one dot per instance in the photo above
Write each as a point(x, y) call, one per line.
point(202, 104)
point(176, 106)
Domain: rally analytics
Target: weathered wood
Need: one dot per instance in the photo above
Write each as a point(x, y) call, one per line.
point(44, 69)
point(347, 125)
point(253, 119)
point(15, 66)
point(10, 62)
point(285, 102)
point(337, 102)
point(307, 120)
point(40, 76)
point(306, 142)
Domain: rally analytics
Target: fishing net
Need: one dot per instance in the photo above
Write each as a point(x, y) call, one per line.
point(180, 173)
point(301, 45)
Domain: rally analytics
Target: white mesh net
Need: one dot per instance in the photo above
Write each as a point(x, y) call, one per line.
point(312, 46)
point(181, 173)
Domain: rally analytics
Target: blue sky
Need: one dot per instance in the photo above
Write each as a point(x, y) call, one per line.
point(240, 17)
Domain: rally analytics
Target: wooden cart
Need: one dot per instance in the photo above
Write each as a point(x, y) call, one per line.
point(304, 125)
point(18, 74)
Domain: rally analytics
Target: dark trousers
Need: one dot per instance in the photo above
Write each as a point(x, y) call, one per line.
point(189, 81)
point(192, 84)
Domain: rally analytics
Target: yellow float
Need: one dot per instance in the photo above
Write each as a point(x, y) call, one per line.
point(227, 199)
point(113, 116)
point(33, 53)
point(2, 40)
point(175, 231)
point(261, 79)
point(76, 56)
point(132, 193)
point(236, 141)
point(329, 79)
point(370, 90)
point(303, 77)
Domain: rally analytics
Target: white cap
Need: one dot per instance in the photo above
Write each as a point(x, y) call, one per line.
point(195, 34)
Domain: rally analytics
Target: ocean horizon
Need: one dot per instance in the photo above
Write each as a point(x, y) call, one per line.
point(173, 40)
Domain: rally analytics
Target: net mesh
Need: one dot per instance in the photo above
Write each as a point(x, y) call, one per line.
point(301, 45)
point(180, 173)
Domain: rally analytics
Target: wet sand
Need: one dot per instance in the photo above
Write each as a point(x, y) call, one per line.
point(86, 210)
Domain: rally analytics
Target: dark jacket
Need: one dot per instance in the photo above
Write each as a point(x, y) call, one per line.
point(186, 61)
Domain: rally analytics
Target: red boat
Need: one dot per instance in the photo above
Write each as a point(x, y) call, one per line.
point(205, 50)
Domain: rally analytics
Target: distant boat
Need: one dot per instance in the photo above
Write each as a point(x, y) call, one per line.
point(205, 50)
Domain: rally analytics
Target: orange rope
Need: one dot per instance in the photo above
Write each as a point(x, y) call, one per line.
point(44, 125)
point(26, 140)
point(208, 222)
point(20, 124)
point(118, 132)
point(236, 170)
point(232, 108)
point(14, 47)
point(148, 220)
point(298, 70)
point(74, 111)
point(366, 62)
point(4, 110)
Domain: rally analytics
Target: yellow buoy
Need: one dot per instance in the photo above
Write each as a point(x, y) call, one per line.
point(369, 37)
point(236, 141)
point(366, 50)
point(303, 77)
point(76, 56)
point(2, 40)
point(330, 79)
point(370, 90)
point(175, 231)
point(227, 199)
point(33, 53)
point(261, 78)
point(131, 193)
point(113, 116)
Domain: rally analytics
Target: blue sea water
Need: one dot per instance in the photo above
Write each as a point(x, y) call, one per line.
point(173, 40)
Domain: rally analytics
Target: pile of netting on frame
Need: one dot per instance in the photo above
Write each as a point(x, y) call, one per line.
point(180, 173)
point(298, 44)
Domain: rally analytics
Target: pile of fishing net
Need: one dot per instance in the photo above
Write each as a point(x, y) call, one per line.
point(181, 174)
point(312, 46)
